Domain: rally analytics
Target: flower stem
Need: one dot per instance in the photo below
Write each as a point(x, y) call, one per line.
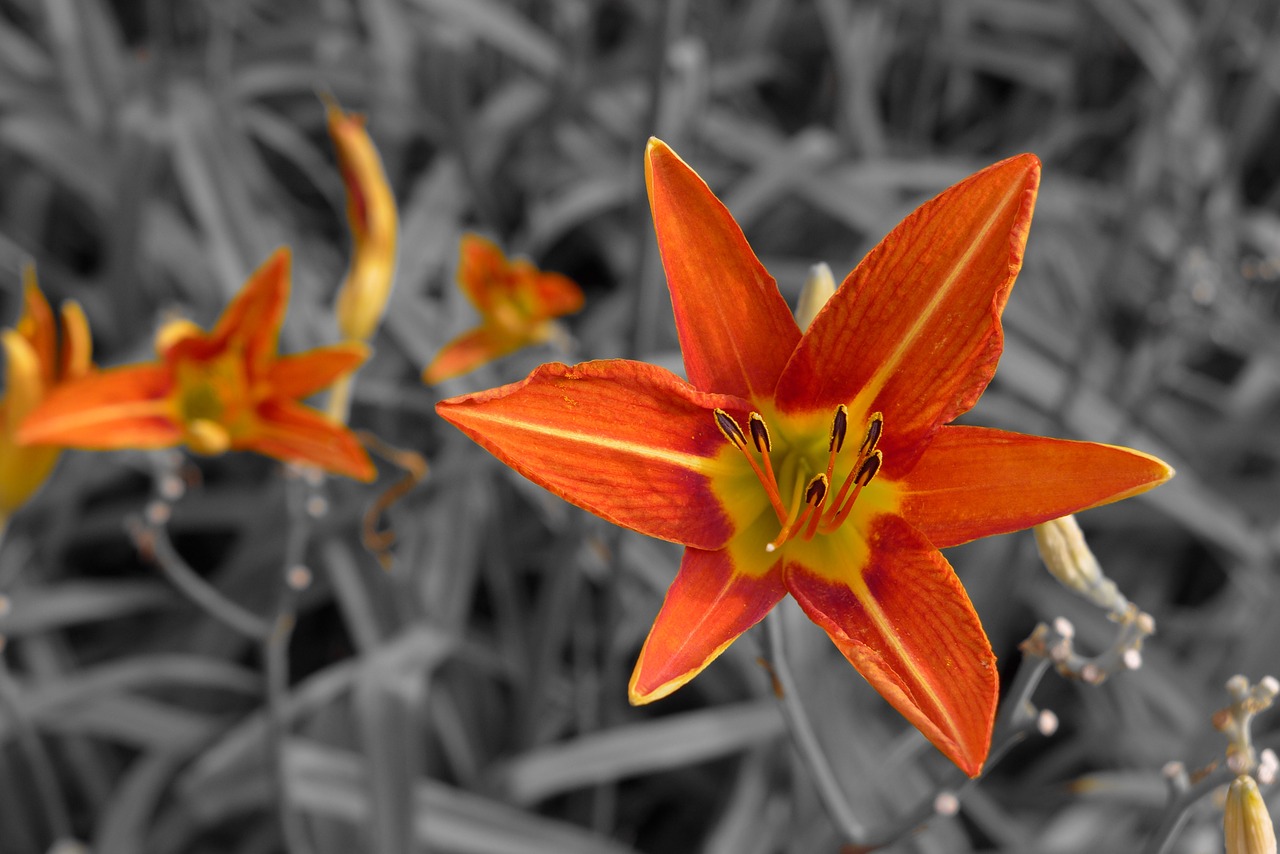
point(1015, 720)
point(155, 538)
point(803, 736)
point(1181, 797)
point(301, 491)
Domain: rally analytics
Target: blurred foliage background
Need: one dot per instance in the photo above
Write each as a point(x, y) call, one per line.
point(470, 697)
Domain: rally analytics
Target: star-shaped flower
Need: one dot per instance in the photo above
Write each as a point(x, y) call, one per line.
point(819, 464)
point(517, 303)
point(223, 390)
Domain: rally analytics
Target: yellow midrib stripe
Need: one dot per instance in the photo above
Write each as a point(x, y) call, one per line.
point(890, 365)
point(692, 462)
point(869, 604)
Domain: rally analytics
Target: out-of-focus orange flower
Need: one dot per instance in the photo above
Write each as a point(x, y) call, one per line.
point(817, 463)
point(517, 304)
point(36, 363)
point(371, 211)
point(223, 390)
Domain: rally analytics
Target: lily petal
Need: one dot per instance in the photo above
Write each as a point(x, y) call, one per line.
point(297, 433)
point(902, 618)
point(594, 433)
point(24, 384)
point(481, 264)
point(469, 351)
point(37, 326)
point(303, 374)
point(76, 358)
point(555, 295)
point(253, 319)
point(735, 329)
point(708, 605)
point(975, 482)
point(126, 407)
point(914, 331)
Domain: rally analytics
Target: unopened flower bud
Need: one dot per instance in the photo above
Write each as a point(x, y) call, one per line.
point(818, 288)
point(1067, 556)
point(1246, 822)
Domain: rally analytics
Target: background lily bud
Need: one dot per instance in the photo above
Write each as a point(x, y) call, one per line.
point(36, 362)
point(371, 213)
point(1068, 558)
point(1246, 822)
point(818, 288)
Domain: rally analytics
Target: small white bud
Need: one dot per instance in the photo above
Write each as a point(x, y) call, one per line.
point(299, 578)
point(1063, 627)
point(946, 803)
point(157, 513)
point(1268, 765)
point(171, 487)
point(1046, 722)
point(1238, 686)
point(317, 506)
point(1132, 659)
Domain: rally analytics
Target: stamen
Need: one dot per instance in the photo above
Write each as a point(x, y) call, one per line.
point(729, 427)
point(839, 427)
point(874, 428)
point(870, 466)
point(733, 433)
point(814, 493)
point(760, 433)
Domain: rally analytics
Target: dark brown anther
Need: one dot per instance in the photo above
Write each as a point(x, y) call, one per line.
point(874, 428)
point(816, 490)
point(729, 427)
point(839, 427)
point(869, 468)
point(760, 433)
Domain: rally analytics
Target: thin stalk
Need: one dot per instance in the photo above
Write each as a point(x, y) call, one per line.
point(1180, 802)
point(189, 583)
point(294, 577)
point(803, 736)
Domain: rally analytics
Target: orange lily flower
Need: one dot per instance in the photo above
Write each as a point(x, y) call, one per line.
point(35, 364)
point(223, 390)
point(371, 213)
point(821, 463)
point(517, 303)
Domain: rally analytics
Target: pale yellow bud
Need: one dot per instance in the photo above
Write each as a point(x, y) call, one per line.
point(1246, 822)
point(1067, 556)
point(818, 288)
point(173, 331)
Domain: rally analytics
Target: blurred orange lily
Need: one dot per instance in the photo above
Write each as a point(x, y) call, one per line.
point(517, 303)
point(818, 463)
point(35, 365)
point(223, 390)
point(371, 213)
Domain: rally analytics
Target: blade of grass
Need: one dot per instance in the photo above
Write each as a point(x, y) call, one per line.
point(674, 741)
